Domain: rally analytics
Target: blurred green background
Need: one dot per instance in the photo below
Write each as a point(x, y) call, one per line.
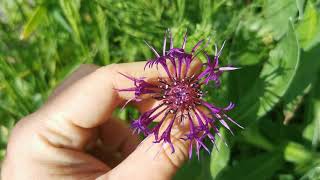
point(275, 42)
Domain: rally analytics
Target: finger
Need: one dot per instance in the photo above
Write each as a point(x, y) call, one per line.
point(152, 160)
point(119, 137)
point(38, 158)
point(117, 141)
point(91, 99)
point(116, 136)
point(82, 71)
point(70, 118)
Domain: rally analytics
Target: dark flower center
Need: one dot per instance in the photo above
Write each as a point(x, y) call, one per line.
point(180, 94)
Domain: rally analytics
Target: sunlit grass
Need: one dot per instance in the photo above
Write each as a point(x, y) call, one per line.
point(41, 42)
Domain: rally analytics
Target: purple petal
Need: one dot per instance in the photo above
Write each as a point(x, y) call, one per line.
point(184, 41)
point(234, 122)
point(164, 44)
point(228, 68)
point(196, 46)
point(225, 125)
point(152, 48)
point(190, 150)
point(220, 51)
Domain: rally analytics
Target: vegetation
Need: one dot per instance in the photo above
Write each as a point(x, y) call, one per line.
point(275, 42)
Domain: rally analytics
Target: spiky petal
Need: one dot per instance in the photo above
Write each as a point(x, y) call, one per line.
point(180, 97)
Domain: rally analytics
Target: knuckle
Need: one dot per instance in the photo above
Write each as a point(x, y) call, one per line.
point(112, 73)
point(17, 135)
point(109, 69)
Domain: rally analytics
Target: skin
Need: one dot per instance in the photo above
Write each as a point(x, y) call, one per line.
point(73, 136)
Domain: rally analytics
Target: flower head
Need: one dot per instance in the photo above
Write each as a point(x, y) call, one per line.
point(180, 97)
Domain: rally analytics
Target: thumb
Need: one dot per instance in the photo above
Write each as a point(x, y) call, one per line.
point(152, 160)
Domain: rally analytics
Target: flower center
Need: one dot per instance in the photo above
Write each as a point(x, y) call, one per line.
point(181, 94)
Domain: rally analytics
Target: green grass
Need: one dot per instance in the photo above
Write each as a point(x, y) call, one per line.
point(276, 44)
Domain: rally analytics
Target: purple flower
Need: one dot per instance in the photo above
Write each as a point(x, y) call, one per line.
point(213, 71)
point(180, 98)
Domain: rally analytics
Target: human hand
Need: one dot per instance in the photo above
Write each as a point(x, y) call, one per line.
point(59, 141)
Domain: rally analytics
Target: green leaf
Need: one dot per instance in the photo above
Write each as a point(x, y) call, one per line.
point(313, 174)
point(60, 20)
point(260, 167)
point(250, 58)
point(303, 158)
point(306, 74)
point(274, 79)
point(279, 71)
point(300, 6)
point(309, 27)
point(286, 177)
point(103, 36)
point(253, 136)
point(297, 153)
point(273, 130)
point(277, 14)
point(220, 157)
point(312, 131)
point(316, 120)
point(33, 22)
point(71, 11)
point(195, 169)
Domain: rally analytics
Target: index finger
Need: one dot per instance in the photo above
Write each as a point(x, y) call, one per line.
point(91, 100)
